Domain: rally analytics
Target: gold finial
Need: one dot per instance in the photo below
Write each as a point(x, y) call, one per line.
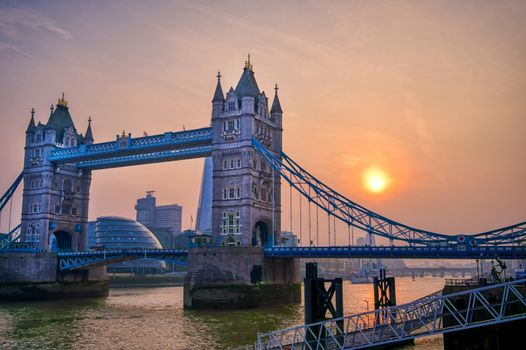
point(218, 75)
point(276, 88)
point(32, 112)
point(123, 134)
point(62, 101)
point(248, 65)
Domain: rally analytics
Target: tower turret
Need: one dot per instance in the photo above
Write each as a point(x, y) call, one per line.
point(218, 102)
point(88, 139)
point(31, 127)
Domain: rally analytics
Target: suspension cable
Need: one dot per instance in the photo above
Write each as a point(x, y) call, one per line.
point(317, 226)
point(329, 227)
point(10, 212)
point(310, 230)
point(290, 203)
point(334, 228)
point(301, 232)
point(273, 208)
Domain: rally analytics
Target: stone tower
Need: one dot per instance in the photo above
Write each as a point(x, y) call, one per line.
point(246, 199)
point(55, 198)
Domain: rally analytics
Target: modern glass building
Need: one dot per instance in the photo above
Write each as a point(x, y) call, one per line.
point(123, 233)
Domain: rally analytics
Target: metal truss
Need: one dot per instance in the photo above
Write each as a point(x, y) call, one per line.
point(10, 191)
point(434, 314)
point(127, 145)
point(146, 158)
point(405, 252)
point(341, 207)
point(90, 259)
point(12, 236)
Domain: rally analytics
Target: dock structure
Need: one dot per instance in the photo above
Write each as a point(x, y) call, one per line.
point(437, 313)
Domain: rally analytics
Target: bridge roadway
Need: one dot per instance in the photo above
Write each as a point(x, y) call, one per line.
point(84, 259)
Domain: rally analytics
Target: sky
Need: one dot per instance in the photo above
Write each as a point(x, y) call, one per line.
point(430, 92)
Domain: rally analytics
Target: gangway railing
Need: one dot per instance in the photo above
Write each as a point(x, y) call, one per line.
point(434, 314)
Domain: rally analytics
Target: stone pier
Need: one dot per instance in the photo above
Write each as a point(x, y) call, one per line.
point(224, 277)
point(31, 276)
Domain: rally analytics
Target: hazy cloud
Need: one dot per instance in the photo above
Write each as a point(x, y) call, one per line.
point(12, 21)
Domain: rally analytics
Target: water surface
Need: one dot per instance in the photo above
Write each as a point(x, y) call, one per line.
point(153, 318)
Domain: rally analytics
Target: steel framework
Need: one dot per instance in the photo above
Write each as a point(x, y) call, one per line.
point(10, 191)
point(89, 259)
point(10, 237)
point(433, 314)
point(126, 146)
point(346, 210)
point(406, 252)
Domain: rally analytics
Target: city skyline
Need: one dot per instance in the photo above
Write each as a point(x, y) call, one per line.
point(361, 85)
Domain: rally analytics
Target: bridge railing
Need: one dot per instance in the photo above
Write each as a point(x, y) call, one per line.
point(426, 316)
point(451, 252)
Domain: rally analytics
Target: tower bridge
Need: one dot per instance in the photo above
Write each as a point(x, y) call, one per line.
point(244, 143)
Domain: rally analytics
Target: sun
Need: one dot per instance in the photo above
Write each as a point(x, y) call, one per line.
point(375, 180)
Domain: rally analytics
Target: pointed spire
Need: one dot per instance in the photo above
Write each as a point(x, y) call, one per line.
point(62, 102)
point(248, 65)
point(247, 85)
point(89, 134)
point(31, 126)
point(276, 106)
point(218, 94)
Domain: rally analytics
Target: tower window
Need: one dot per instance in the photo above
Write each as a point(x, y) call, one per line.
point(231, 105)
point(231, 222)
point(232, 193)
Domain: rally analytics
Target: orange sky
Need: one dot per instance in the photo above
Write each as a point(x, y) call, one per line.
point(433, 93)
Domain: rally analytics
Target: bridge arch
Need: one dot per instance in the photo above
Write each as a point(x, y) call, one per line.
point(62, 240)
point(262, 233)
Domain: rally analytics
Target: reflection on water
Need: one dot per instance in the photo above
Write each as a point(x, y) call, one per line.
point(147, 318)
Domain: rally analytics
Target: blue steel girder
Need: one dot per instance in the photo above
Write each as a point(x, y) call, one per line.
point(346, 210)
point(10, 237)
point(146, 158)
point(91, 259)
point(127, 146)
point(10, 191)
point(405, 252)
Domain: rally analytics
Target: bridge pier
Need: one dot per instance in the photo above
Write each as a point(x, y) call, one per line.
point(239, 277)
point(30, 276)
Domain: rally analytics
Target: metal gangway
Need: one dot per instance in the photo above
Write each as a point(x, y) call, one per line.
point(433, 314)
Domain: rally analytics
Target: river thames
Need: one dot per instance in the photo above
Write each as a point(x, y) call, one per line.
point(154, 318)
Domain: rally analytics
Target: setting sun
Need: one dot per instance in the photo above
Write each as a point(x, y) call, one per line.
point(376, 180)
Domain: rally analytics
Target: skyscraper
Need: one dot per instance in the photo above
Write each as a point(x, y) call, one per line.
point(164, 221)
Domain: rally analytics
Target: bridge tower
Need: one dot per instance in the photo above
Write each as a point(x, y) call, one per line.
point(55, 198)
point(246, 199)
